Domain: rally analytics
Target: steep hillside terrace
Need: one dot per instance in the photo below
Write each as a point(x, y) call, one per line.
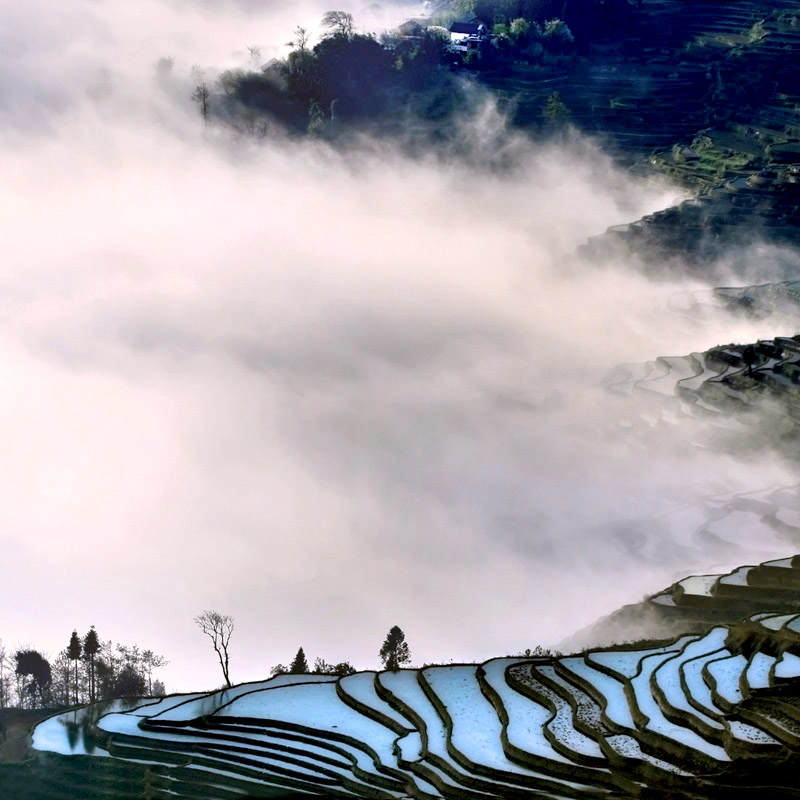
point(767, 593)
point(669, 71)
point(757, 84)
point(709, 95)
point(703, 599)
point(746, 207)
point(728, 378)
point(709, 714)
point(761, 300)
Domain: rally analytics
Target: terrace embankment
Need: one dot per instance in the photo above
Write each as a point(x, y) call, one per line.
point(699, 601)
point(16, 725)
point(711, 714)
point(732, 382)
point(706, 94)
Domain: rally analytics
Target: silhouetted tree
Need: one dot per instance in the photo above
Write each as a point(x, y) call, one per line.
point(91, 645)
point(353, 69)
point(201, 96)
point(104, 678)
point(300, 41)
point(394, 650)
point(31, 663)
point(415, 59)
point(61, 683)
point(114, 660)
point(300, 665)
point(218, 627)
point(322, 667)
point(129, 683)
point(540, 652)
point(74, 653)
point(230, 79)
point(149, 662)
point(302, 76)
point(338, 23)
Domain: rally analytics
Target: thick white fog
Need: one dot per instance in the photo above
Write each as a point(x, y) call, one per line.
point(324, 392)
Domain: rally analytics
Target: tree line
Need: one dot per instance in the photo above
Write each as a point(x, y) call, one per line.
point(85, 671)
point(348, 74)
point(88, 669)
point(394, 652)
point(345, 75)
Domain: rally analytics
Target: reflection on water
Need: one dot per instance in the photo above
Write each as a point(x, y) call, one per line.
point(73, 732)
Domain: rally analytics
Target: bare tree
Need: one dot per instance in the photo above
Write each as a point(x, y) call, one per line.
point(61, 685)
point(218, 627)
point(300, 41)
point(338, 23)
point(255, 54)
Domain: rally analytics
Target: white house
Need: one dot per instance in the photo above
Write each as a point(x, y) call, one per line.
point(459, 31)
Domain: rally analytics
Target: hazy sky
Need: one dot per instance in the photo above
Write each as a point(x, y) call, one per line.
point(325, 393)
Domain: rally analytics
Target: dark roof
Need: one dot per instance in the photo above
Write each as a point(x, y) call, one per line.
point(409, 26)
point(465, 27)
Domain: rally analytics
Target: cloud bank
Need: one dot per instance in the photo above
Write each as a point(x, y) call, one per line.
point(325, 391)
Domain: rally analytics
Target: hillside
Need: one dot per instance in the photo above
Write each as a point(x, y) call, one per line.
point(712, 712)
point(694, 692)
point(657, 73)
point(706, 94)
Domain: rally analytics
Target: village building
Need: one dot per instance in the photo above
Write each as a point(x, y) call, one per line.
point(410, 28)
point(466, 36)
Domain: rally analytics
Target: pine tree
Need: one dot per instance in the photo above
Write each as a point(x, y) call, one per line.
point(91, 644)
point(394, 651)
point(299, 666)
point(74, 653)
point(555, 109)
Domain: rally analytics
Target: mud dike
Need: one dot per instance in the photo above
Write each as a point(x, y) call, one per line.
point(714, 713)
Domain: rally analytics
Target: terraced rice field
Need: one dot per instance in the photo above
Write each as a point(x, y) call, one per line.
point(721, 380)
point(710, 714)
